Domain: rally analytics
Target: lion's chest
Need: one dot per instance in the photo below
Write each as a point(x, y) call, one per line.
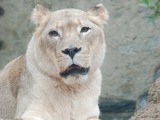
point(75, 107)
point(50, 103)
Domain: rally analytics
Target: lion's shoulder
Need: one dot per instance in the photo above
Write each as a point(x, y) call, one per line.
point(13, 72)
point(14, 69)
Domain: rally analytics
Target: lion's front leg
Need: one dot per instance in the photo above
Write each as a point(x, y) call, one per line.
point(10, 119)
point(30, 118)
point(36, 115)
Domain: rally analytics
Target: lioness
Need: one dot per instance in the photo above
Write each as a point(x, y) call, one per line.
point(59, 78)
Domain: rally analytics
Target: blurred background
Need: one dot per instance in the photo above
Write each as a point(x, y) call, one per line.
point(132, 62)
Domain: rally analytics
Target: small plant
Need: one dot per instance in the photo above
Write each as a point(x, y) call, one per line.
point(154, 6)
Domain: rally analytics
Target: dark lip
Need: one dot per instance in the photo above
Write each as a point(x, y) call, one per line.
point(73, 70)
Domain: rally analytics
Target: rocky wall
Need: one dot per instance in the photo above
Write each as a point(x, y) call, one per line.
point(133, 47)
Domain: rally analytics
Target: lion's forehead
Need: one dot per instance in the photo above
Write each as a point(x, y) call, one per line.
point(69, 13)
point(68, 17)
point(68, 23)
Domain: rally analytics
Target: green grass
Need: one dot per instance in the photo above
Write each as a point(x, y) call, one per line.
point(153, 6)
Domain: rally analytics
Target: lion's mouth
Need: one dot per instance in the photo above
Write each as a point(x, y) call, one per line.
point(74, 70)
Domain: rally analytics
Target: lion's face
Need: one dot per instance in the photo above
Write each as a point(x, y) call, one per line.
point(70, 42)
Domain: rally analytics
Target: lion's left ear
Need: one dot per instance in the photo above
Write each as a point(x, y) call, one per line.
point(38, 14)
point(98, 14)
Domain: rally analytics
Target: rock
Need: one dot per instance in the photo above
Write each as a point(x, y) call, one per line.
point(149, 112)
point(1, 11)
point(116, 109)
point(154, 93)
point(157, 73)
point(117, 116)
point(117, 106)
point(142, 100)
point(152, 110)
point(1, 44)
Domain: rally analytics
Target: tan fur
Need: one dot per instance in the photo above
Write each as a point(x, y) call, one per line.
point(31, 87)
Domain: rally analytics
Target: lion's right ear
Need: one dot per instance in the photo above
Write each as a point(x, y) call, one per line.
point(98, 14)
point(38, 14)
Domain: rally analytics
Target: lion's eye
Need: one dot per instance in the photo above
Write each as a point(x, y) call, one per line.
point(54, 33)
point(85, 29)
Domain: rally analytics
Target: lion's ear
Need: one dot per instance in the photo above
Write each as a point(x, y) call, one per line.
point(38, 14)
point(98, 14)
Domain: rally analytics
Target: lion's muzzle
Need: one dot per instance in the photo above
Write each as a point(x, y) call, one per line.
point(71, 51)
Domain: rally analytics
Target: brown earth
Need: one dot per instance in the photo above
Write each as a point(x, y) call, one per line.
point(152, 110)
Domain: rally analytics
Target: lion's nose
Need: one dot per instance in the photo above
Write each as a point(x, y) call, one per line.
point(71, 51)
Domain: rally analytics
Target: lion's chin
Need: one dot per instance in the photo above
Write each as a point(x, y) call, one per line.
point(74, 70)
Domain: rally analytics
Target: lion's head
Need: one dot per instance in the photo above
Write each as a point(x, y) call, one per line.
point(69, 44)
